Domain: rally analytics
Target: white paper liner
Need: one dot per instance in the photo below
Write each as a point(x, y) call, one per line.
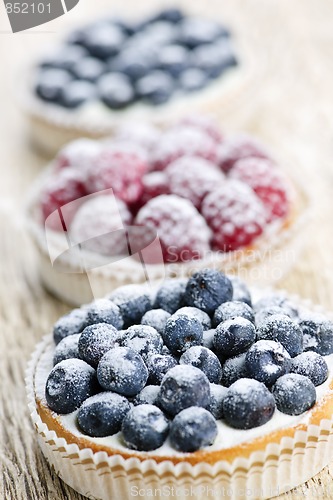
point(273, 470)
point(266, 262)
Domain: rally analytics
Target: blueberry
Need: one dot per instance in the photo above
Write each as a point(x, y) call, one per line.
point(266, 312)
point(51, 83)
point(279, 300)
point(155, 87)
point(145, 428)
point(184, 386)
point(122, 370)
point(205, 360)
point(102, 414)
point(240, 291)
point(170, 295)
point(311, 365)
point(158, 365)
point(232, 310)
point(192, 429)
point(96, 340)
point(143, 339)
point(182, 332)
point(318, 334)
point(67, 348)
point(284, 330)
point(156, 318)
point(197, 31)
point(248, 404)
point(214, 59)
point(133, 303)
point(155, 36)
point(70, 383)
point(217, 395)
point(207, 289)
point(115, 90)
point(234, 336)
point(266, 361)
point(104, 311)
point(65, 57)
point(73, 322)
point(193, 79)
point(208, 339)
point(147, 396)
point(103, 40)
point(233, 369)
point(294, 394)
point(88, 68)
point(194, 312)
point(172, 15)
point(134, 63)
point(77, 93)
point(173, 59)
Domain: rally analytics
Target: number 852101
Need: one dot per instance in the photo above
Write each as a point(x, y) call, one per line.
point(28, 8)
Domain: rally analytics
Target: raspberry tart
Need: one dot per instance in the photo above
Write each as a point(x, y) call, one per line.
point(128, 209)
point(154, 67)
point(183, 386)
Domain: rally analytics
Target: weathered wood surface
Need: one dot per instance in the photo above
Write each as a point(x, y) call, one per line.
point(291, 107)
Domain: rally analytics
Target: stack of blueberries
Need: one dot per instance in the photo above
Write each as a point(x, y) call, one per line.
point(174, 364)
point(120, 62)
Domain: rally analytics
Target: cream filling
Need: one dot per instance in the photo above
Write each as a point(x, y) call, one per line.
point(227, 436)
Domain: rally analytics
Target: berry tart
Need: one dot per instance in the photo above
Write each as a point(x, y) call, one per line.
point(183, 198)
point(115, 69)
point(198, 384)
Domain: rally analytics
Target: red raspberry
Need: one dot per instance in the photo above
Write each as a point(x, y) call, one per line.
point(235, 214)
point(183, 232)
point(154, 184)
point(121, 169)
point(205, 123)
point(80, 154)
point(98, 223)
point(142, 134)
point(183, 141)
point(63, 187)
point(268, 183)
point(239, 147)
point(192, 177)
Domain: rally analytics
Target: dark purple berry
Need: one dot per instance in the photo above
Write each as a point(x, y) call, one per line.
point(266, 361)
point(311, 365)
point(133, 303)
point(104, 311)
point(96, 340)
point(158, 365)
point(294, 394)
point(145, 428)
point(147, 396)
point(170, 295)
point(207, 289)
point(232, 310)
point(192, 429)
point(234, 336)
point(217, 395)
point(73, 322)
point(156, 318)
point(143, 339)
point(67, 349)
point(182, 332)
point(233, 369)
point(205, 360)
point(284, 330)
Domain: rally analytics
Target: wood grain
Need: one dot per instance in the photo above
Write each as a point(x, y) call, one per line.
point(291, 108)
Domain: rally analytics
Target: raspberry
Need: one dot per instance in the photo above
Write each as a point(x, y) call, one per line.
point(97, 225)
point(183, 141)
point(267, 182)
point(121, 169)
point(192, 177)
point(235, 214)
point(154, 184)
point(182, 231)
point(80, 154)
point(205, 123)
point(238, 147)
point(142, 134)
point(63, 187)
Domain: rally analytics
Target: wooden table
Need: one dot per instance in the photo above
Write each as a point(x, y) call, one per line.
point(290, 106)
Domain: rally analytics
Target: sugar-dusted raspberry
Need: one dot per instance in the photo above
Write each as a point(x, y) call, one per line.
point(238, 147)
point(235, 214)
point(80, 154)
point(62, 188)
point(121, 169)
point(183, 232)
point(142, 134)
point(98, 223)
point(193, 177)
point(181, 141)
point(205, 123)
point(267, 182)
point(154, 184)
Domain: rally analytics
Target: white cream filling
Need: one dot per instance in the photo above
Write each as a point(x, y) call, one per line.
point(227, 436)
